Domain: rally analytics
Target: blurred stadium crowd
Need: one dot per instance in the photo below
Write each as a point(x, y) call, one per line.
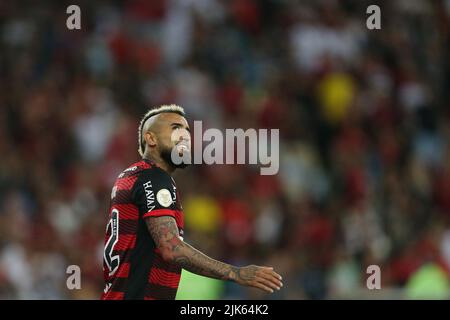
point(364, 124)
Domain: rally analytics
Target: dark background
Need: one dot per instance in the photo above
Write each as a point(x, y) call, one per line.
point(364, 126)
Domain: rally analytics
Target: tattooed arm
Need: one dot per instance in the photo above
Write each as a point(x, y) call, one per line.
point(164, 232)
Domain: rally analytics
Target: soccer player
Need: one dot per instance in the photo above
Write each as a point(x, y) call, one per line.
point(144, 248)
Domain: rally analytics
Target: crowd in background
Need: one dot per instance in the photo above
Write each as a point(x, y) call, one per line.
point(364, 138)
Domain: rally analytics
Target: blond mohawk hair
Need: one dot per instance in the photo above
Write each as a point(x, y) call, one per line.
point(172, 108)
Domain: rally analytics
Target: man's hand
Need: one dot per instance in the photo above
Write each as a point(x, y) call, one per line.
point(263, 278)
point(164, 232)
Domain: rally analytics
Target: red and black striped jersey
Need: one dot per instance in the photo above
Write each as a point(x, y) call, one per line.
point(132, 265)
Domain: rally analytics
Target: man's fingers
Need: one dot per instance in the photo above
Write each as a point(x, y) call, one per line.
point(269, 270)
point(272, 278)
point(262, 287)
point(276, 275)
point(268, 283)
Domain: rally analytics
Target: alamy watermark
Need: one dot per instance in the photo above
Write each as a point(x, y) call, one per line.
point(374, 20)
point(235, 146)
point(73, 281)
point(374, 280)
point(73, 21)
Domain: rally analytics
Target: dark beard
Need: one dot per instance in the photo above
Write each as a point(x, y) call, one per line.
point(166, 155)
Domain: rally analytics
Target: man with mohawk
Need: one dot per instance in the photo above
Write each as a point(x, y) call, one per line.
point(144, 248)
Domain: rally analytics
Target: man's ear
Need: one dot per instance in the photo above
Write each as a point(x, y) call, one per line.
point(150, 139)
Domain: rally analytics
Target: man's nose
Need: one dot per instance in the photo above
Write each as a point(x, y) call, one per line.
point(185, 136)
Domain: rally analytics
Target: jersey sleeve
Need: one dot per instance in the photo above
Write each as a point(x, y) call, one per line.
point(155, 194)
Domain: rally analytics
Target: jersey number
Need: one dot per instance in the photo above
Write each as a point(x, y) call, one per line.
point(112, 261)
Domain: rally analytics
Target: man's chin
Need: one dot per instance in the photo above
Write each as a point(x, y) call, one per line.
point(167, 157)
point(182, 165)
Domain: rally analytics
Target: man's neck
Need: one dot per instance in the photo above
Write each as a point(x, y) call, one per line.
point(159, 162)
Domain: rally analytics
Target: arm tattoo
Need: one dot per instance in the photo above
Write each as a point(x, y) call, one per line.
point(165, 234)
